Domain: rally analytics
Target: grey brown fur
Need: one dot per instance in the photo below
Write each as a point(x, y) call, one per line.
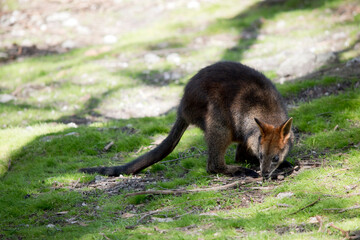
point(230, 102)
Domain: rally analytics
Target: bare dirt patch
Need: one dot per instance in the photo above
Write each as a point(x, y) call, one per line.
point(347, 71)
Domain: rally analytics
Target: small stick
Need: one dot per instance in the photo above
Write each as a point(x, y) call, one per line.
point(76, 183)
point(309, 205)
point(147, 214)
point(102, 234)
point(318, 218)
point(108, 146)
point(284, 205)
point(341, 210)
point(180, 191)
point(345, 233)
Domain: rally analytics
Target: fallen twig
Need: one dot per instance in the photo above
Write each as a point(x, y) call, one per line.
point(354, 235)
point(319, 219)
point(284, 205)
point(106, 237)
point(181, 191)
point(309, 205)
point(108, 146)
point(345, 233)
point(337, 170)
point(341, 210)
point(76, 183)
point(147, 214)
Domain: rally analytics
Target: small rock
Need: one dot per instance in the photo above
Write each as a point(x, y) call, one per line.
point(151, 58)
point(43, 27)
point(50, 226)
point(3, 56)
point(284, 205)
point(353, 62)
point(83, 30)
point(128, 215)
point(284, 195)
point(29, 128)
point(281, 24)
point(162, 219)
point(99, 178)
point(173, 58)
point(68, 44)
point(4, 98)
point(110, 39)
point(193, 5)
point(280, 177)
point(60, 16)
point(339, 35)
point(72, 125)
point(313, 220)
point(72, 134)
point(71, 22)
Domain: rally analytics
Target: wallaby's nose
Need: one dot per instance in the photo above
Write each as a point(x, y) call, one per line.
point(265, 173)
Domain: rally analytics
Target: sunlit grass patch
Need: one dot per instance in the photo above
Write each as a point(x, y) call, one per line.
point(333, 120)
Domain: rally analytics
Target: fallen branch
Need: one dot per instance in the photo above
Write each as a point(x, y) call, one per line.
point(147, 214)
point(106, 237)
point(108, 146)
point(345, 233)
point(341, 210)
point(151, 213)
point(181, 191)
point(333, 195)
point(321, 223)
point(309, 205)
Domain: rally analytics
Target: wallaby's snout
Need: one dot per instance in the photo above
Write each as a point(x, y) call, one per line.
point(274, 144)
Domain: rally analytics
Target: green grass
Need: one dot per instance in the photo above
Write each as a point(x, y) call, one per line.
point(40, 154)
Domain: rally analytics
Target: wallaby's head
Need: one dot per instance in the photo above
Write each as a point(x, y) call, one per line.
point(274, 144)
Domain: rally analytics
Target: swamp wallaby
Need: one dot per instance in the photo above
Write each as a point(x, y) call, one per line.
point(230, 102)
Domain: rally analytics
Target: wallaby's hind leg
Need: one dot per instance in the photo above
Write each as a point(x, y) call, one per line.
point(243, 155)
point(285, 169)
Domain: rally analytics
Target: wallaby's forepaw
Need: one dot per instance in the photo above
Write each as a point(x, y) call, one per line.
point(237, 171)
point(285, 169)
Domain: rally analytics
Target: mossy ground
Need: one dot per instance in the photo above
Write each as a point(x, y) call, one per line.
point(43, 195)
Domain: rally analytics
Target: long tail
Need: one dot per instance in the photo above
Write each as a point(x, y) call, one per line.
point(149, 158)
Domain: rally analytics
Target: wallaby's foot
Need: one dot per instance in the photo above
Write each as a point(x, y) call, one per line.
point(284, 169)
point(285, 165)
point(235, 171)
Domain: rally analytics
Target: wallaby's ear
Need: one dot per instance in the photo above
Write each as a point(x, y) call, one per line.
point(286, 129)
point(264, 128)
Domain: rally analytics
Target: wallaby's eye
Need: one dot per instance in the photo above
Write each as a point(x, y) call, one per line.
point(276, 159)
